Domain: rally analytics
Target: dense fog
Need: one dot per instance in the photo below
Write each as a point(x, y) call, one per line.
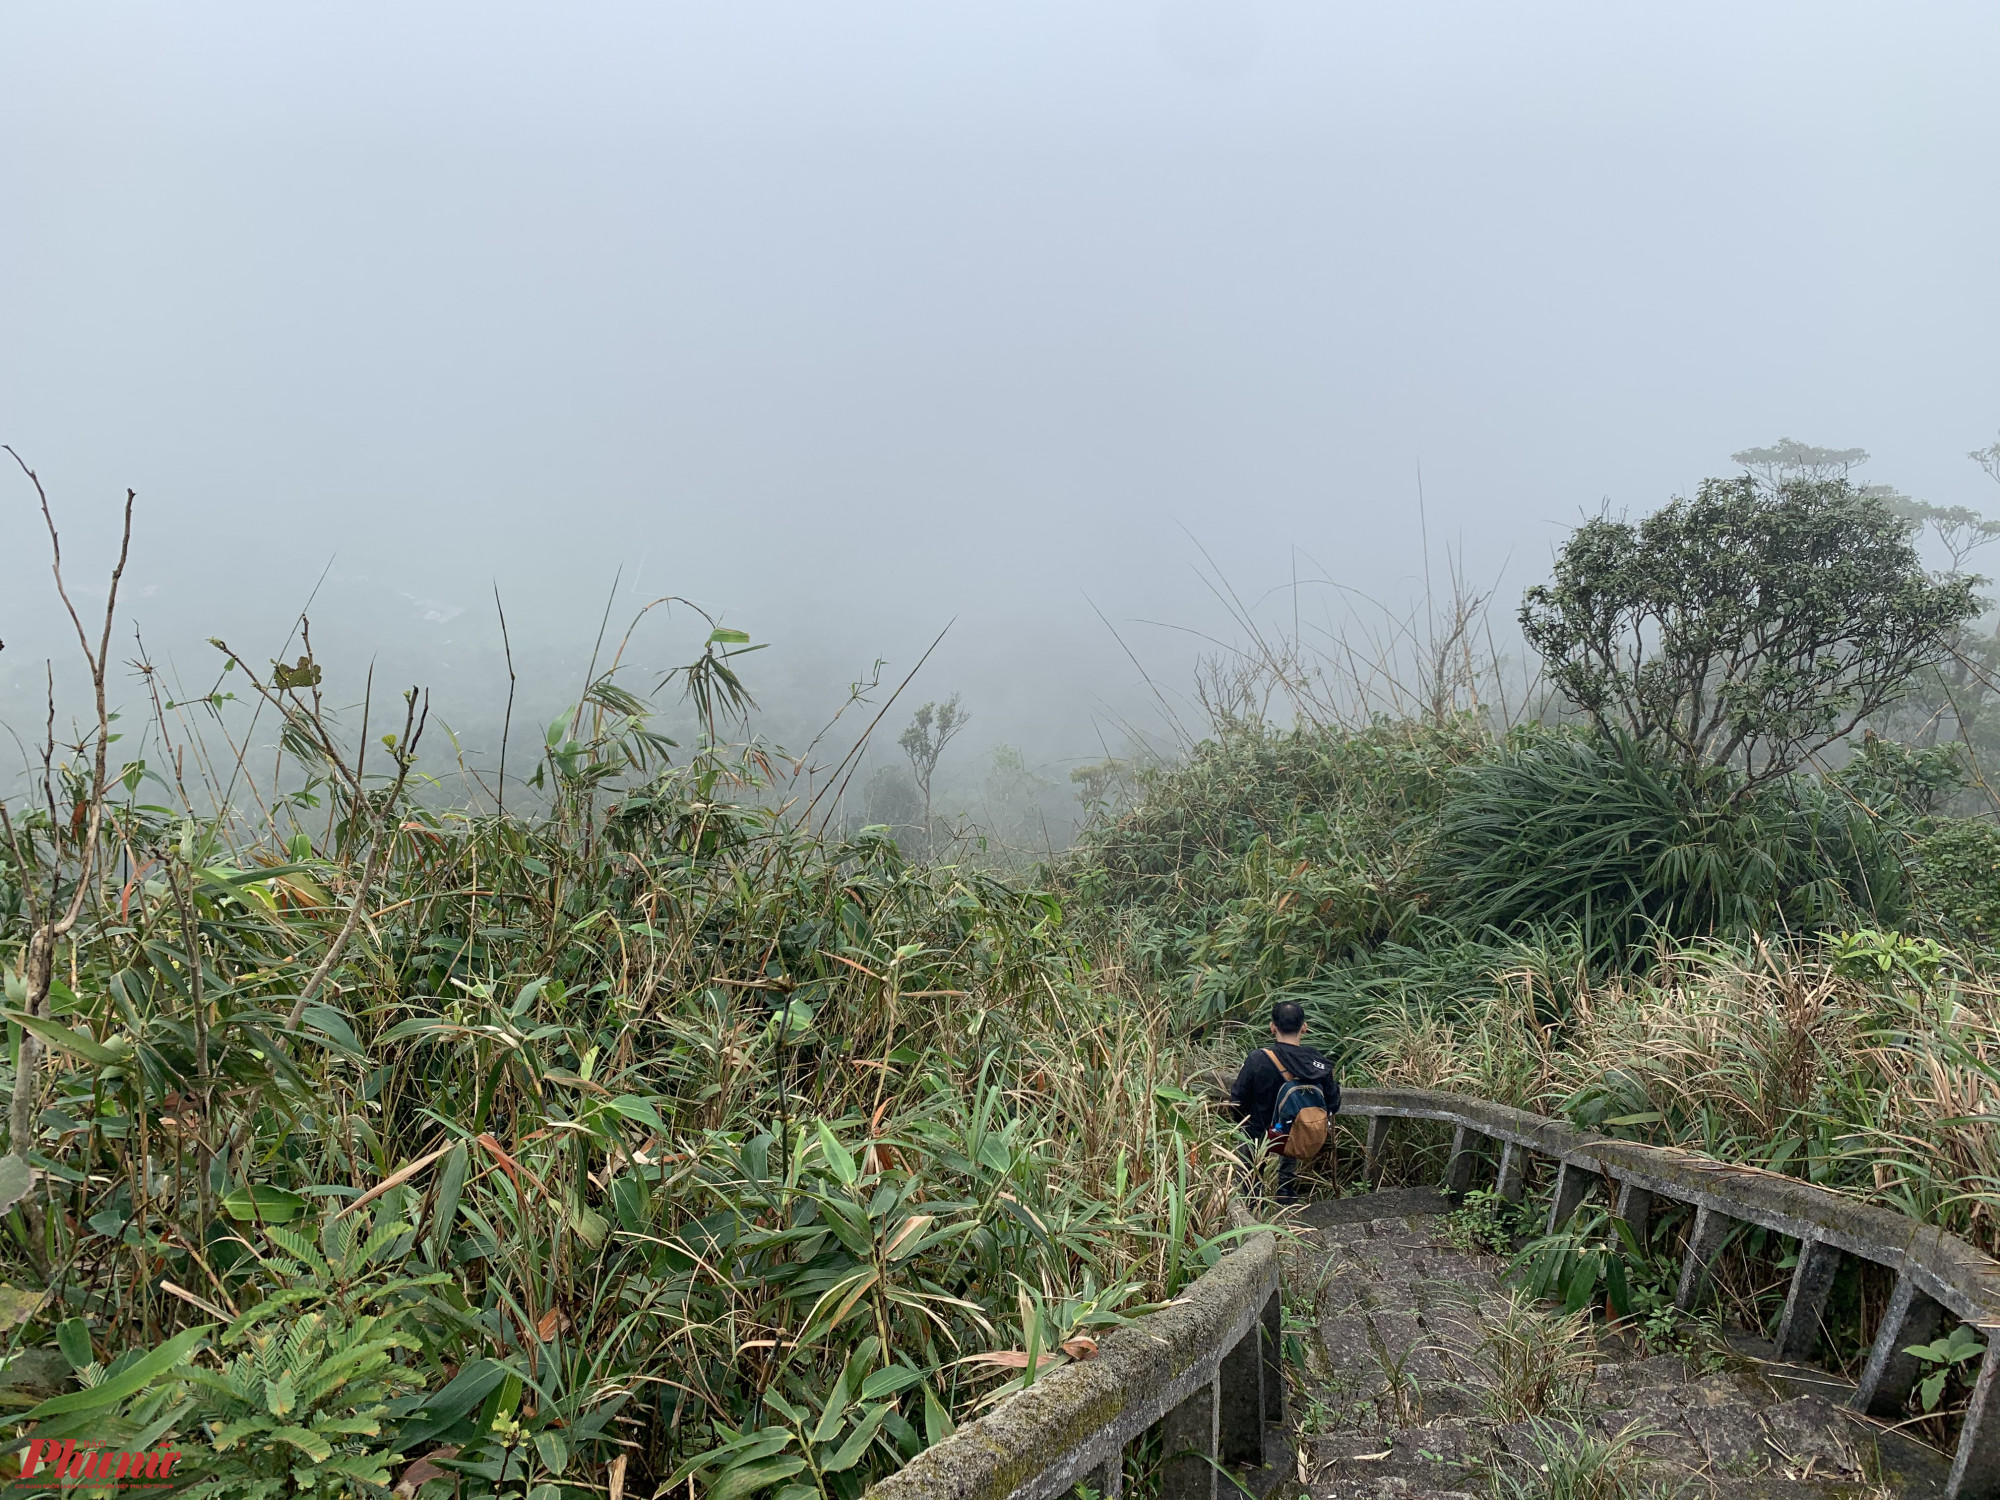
point(1046, 323)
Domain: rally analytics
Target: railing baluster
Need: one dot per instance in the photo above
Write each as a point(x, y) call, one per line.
point(1240, 1438)
point(1710, 1228)
point(1910, 1318)
point(1805, 1303)
point(1510, 1182)
point(1572, 1183)
point(1975, 1468)
point(1371, 1154)
point(1635, 1207)
point(1272, 1344)
point(1108, 1478)
point(1190, 1430)
point(1458, 1172)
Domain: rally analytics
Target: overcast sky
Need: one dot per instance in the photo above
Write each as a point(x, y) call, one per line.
point(845, 319)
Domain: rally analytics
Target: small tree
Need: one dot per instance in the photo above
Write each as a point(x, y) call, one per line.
point(1751, 626)
point(1960, 531)
point(1956, 697)
point(1788, 458)
point(1988, 458)
point(930, 731)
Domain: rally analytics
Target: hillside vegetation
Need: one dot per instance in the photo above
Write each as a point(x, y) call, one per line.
point(658, 1133)
point(644, 1135)
point(1697, 900)
point(1545, 918)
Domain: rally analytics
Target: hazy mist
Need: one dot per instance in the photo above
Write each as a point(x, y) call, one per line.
point(849, 320)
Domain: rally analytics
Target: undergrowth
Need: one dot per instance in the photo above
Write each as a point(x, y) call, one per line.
point(644, 1134)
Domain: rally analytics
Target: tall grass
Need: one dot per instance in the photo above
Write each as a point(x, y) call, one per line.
point(645, 1134)
point(1265, 856)
point(1571, 1462)
point(1779, 1055)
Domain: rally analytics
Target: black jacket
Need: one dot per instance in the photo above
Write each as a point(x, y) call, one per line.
point(1255, 1093)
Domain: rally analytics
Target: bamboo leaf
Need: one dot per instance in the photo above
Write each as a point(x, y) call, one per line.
point(133, 1378)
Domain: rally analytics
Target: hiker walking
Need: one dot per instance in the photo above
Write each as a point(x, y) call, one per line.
point(1284, 1098)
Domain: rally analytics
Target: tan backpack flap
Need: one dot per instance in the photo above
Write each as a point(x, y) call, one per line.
point(1307, 1137)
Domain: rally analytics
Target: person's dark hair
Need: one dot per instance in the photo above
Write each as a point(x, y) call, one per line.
point(1288, 1016)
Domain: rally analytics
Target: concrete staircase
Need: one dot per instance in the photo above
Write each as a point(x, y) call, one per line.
point(1402, 1400)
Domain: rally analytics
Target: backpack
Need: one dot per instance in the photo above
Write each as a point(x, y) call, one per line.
point(1301, 1117)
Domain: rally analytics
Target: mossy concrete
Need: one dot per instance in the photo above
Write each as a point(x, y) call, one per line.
point(1070, 1422)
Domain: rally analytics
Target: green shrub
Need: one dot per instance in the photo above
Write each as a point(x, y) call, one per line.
point(1955, 869)
point(1558, 826)
point(1265, 857)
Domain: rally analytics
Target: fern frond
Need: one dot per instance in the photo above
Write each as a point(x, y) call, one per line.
point(276, 1302)
point(311, 1444)
point(300, 1249)
point(229, 1434)
point(353, 1426)
point(365, 1255)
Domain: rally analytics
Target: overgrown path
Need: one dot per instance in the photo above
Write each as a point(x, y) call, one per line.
point(1423, 1373)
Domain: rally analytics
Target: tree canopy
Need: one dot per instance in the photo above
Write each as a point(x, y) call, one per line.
point(1750, 626)
point(1788, 458)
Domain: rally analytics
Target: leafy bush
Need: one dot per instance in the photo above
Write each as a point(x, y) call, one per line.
point(1941, 1359)
point(1955, 868)
point(1594, 1259)
point(300, 1409)
point(1885, 957)
point(1265, 857)
point(1488, 1224)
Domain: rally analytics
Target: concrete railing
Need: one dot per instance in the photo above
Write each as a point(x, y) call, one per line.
point(1934, 1271)
point(1204, 1369)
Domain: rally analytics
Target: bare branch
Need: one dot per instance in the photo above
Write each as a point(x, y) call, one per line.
point(46, 933)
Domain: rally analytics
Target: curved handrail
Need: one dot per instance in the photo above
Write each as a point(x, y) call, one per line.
point(1934, 1270)
point(1195, 1367)
point(1206, 1366)
point(1944, 1266)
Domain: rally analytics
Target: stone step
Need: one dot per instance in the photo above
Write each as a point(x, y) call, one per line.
point(1397, 1203)
point(1806, 1437)
point(1410, 1409)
